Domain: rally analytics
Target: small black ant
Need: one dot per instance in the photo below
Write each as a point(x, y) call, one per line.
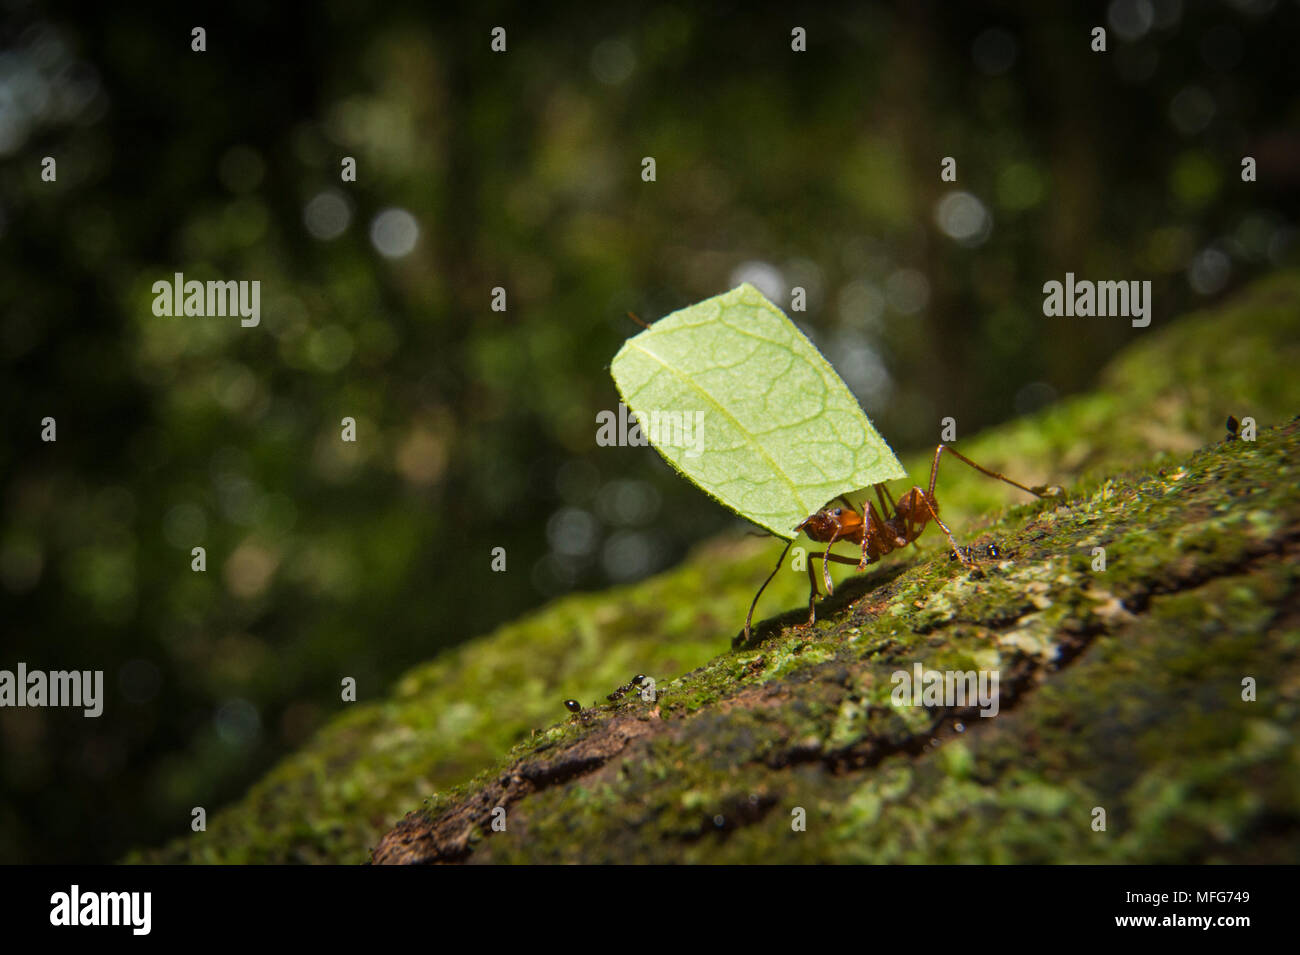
point(1232, 425)
point(618, 694)
point(573, 706)
point(991, 551)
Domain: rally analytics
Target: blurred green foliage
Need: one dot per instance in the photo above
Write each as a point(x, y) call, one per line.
point(476, 428)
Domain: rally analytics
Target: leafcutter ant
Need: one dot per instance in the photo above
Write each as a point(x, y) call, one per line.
point(895, 525)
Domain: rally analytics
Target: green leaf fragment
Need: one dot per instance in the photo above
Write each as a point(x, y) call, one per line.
point(739, 401)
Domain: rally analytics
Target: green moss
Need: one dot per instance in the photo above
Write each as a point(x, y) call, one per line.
point(1119, 689)
point(1149, 725)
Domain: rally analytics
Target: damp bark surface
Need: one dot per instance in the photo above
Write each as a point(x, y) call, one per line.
point(1122, 700)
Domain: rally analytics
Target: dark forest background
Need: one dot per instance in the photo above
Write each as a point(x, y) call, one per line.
point(476, 429)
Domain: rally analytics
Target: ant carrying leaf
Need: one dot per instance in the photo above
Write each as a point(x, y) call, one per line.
point(895, 525)
point(775, 432)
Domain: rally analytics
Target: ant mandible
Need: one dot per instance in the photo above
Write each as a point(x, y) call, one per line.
point(895, 525)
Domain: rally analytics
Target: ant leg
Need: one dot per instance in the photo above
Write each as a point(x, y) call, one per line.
point(934, 514)
point(838, 558)
point(862, 564)
point(812, 590)
point(1040, 491)
point(826, 571)
point(750, 616)
point(931, 503)
point(812, 580)
point(887, 508)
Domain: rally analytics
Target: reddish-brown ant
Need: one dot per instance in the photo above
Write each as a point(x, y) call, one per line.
point(895, 525)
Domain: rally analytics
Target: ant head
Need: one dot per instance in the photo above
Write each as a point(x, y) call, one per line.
point(823, 524)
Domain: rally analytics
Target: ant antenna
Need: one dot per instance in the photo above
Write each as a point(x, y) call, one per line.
point(637, 320)
point(749, 617)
